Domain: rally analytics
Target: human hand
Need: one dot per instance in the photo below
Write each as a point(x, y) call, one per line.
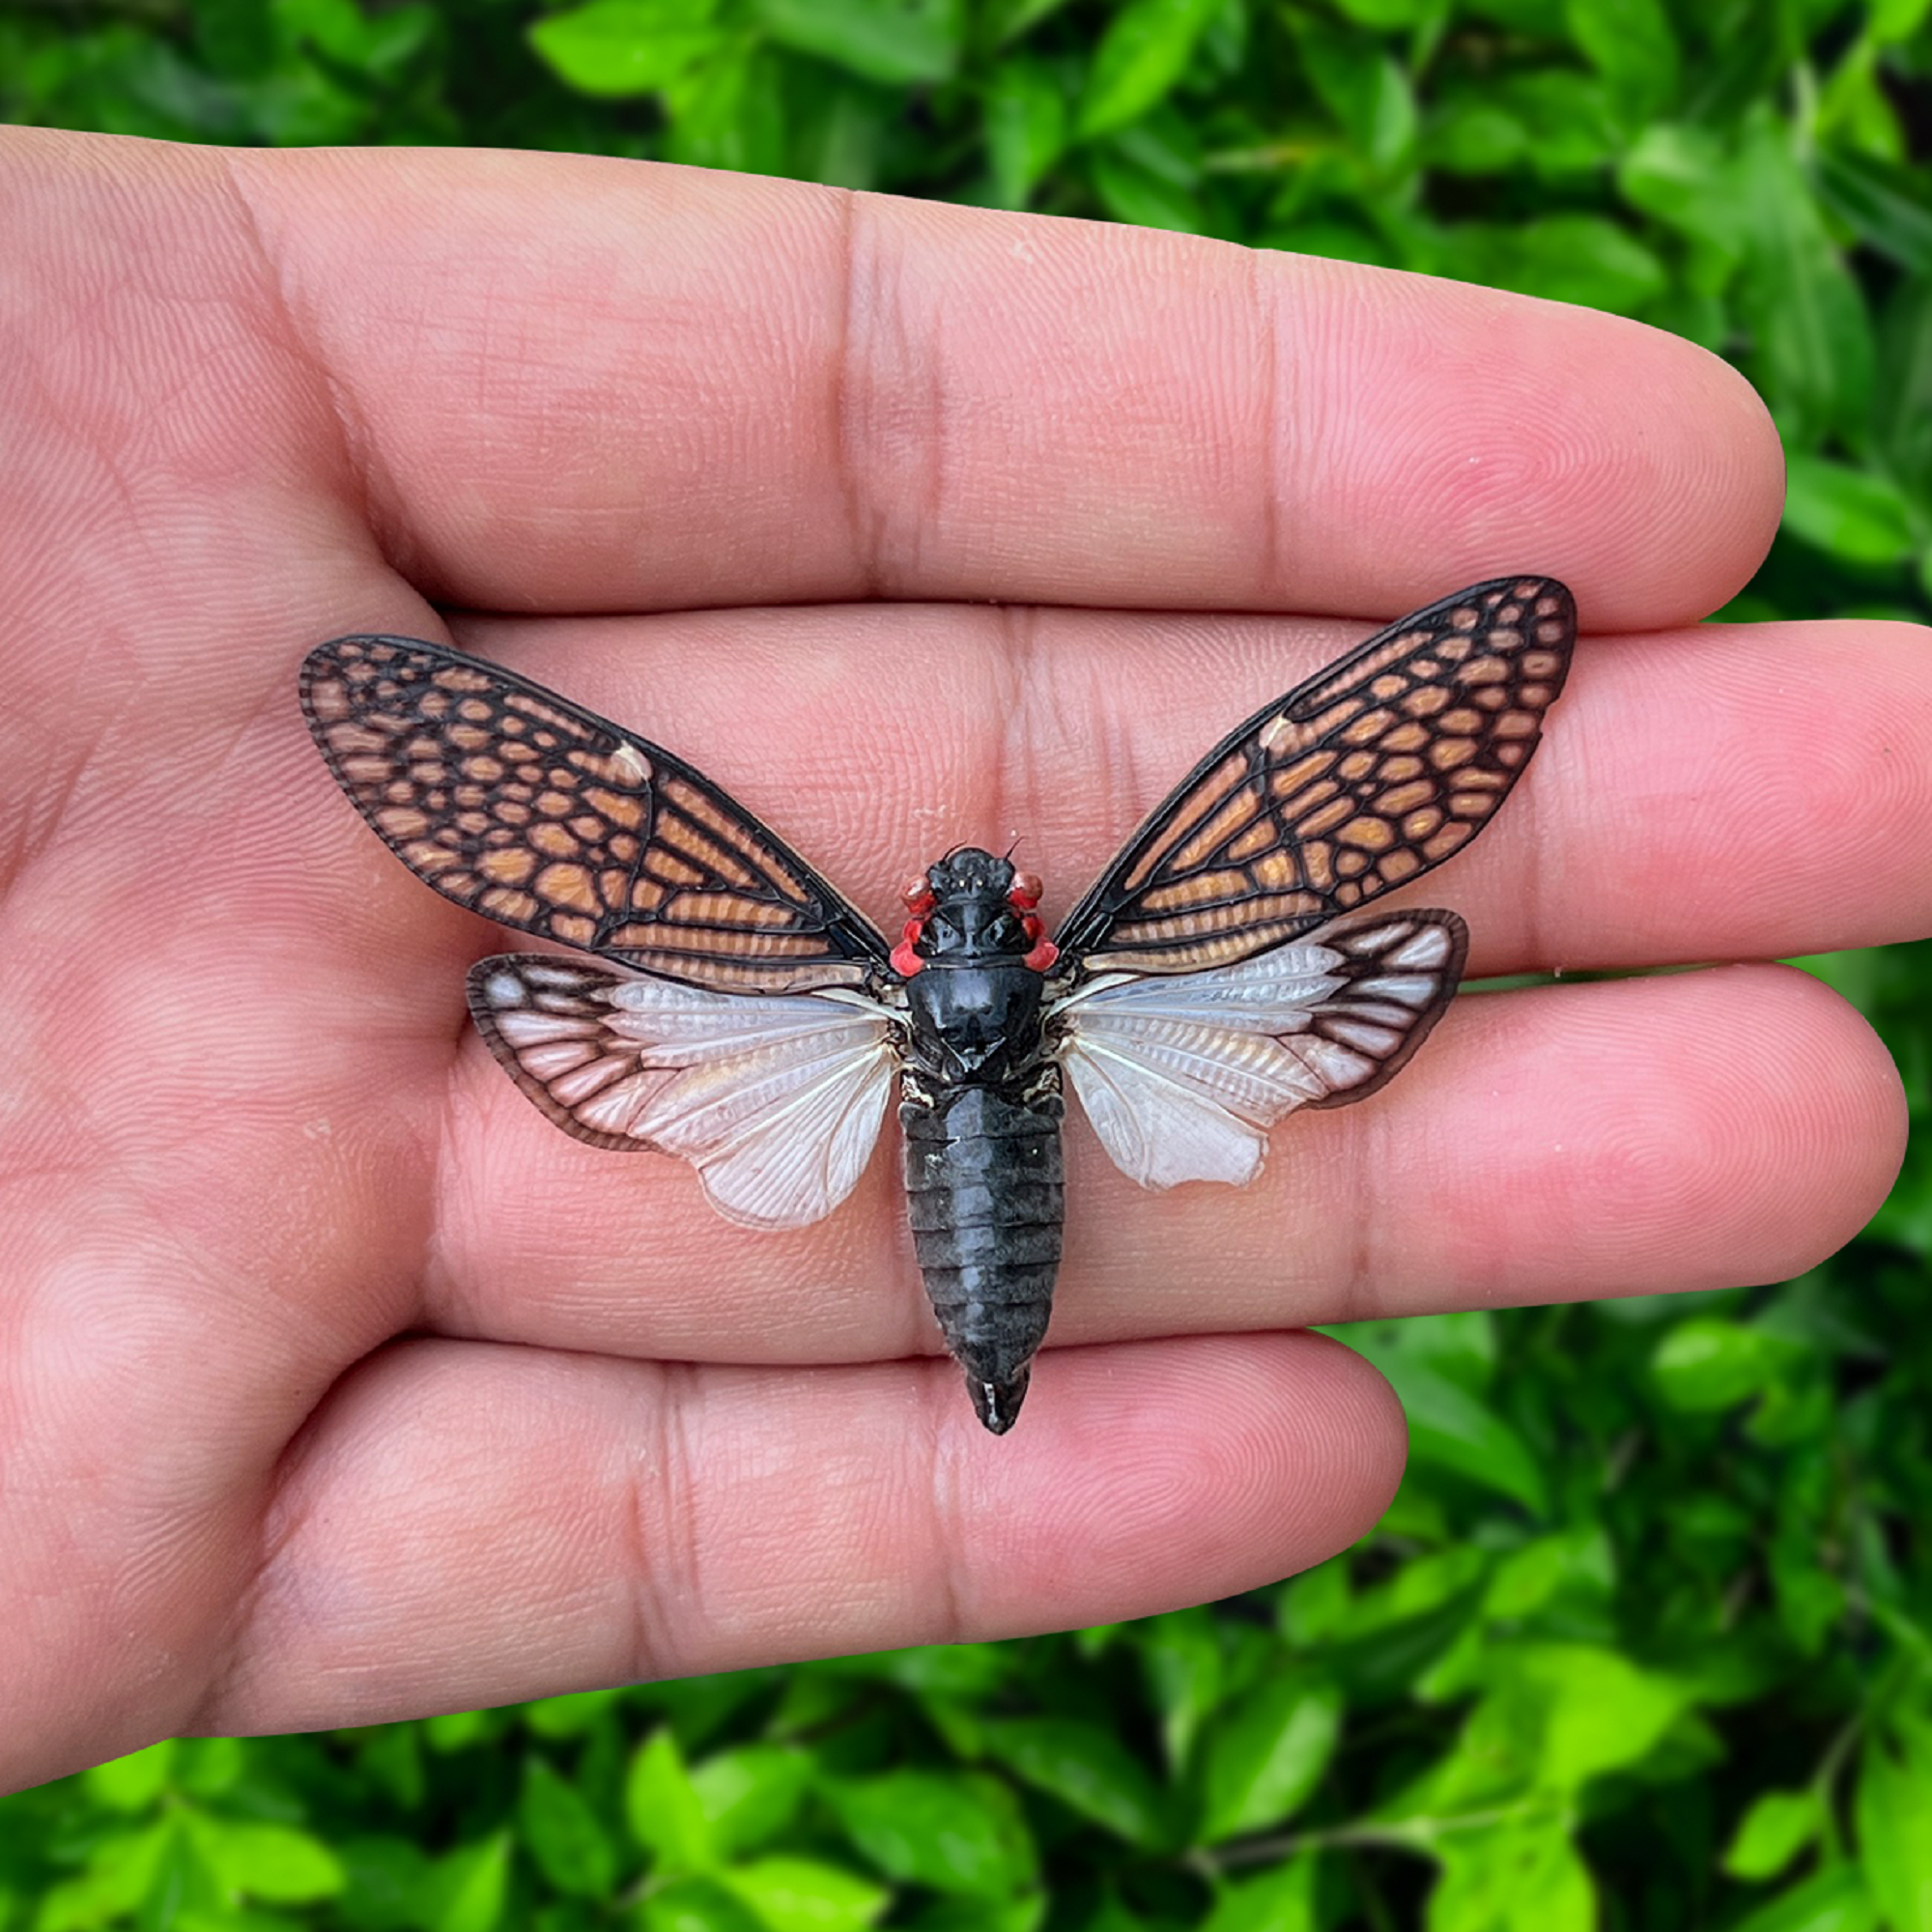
point(339, 1385)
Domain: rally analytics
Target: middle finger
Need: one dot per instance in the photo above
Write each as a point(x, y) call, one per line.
point(1636, 1148)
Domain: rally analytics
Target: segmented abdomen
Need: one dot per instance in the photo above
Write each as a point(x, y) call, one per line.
point(984, 1183)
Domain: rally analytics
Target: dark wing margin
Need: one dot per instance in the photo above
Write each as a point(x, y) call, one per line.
point(542, 816)
point(1365, 777)
point(777, 1101)
point(1183, 1075)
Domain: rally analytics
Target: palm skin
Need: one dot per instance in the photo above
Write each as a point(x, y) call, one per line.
point(338, 1385)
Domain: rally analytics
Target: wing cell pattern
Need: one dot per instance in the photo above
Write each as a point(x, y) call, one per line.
point(776, 1101)
point(1183, 1077)
point(545, 817)
point(1364, 777)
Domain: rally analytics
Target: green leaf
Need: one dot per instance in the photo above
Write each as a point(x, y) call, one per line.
point(1581, 259)
point(1185, 1677)
point(1381, 1662)
point(1603, 1711)
point(1631, 45)
point(1133, 192)
point(611, 49)
point(1573, 128)
point(1088, 1768)
point(954, 1833)
point(836, 130)
point(1364, 89)
point(1110, 1915)
point(1814, 341)
point(1777, 1828)
point(1539, 20)
point(1024, 1914)
point(1450, 1429)
point(1141, 57)
point(1315, 1606)
point(1683, 176)
point(340, 28)
point(224, 1918)
point(1855, 114)
point(272, 1861)
point(1512, 1878)
point(1893, 1815)
point(1706, 1364)
point(1262, 1759)
point(942, 1669)
point(178, 1881)
point(122, 1865)
point(1810, 1599)
point(728, 113)
point(1026, 126)
point(896, 42)
point(566, 1836)
point(1003, 21)
point(1279, 1900)
point(210, 1767)
point(1903, 430)
point(698, 1904)
point(1834, 1900)
point(133, 1782)
point(464, 1891)
point(567, 1915)
point(571, 1715)
point(390, 1757)
point(384, 1879)
point(1552, 1717)
point(455, 1730)
point(235, 36)
point(1885, 207)
point(1574, 1563)
point(1896, 19)
point(792, 1894)
point(665, 1813)
point(1460, 1346)
point(1474, 139)
point(1387, 16)
point(747, 1796)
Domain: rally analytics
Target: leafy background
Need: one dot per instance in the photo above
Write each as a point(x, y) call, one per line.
point(1646, 1639)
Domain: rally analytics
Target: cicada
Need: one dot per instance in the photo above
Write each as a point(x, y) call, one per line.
point(732, 1006)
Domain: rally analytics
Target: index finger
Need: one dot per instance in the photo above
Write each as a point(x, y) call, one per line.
point(564, 383)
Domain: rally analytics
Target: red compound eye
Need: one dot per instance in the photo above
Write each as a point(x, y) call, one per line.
point(918, 895)
point(1044, 953)
point(1025, 891)
point(905, 961)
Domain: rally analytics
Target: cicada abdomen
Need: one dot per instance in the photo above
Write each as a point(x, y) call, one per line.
point(980, 1109)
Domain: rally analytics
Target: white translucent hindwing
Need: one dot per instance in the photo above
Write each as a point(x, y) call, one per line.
point(1183, 1075)
point(775, 1101)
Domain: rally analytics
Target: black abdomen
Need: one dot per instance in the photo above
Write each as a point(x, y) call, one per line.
point(983, 1181)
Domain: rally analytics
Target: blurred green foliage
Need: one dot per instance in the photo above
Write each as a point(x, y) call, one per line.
point(1646, 1640)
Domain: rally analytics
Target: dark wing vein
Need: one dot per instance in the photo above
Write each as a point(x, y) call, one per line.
point(542, 816)
point(1365, 777)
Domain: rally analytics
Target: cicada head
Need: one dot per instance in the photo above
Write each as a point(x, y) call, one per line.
point(973, 908)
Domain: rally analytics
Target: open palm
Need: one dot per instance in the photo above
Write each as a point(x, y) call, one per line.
point(338, 1385)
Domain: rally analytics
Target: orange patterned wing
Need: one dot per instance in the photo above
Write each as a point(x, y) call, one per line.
point(1358, 781)
point(541, 815)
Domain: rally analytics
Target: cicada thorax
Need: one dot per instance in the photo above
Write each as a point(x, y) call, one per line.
point(980, 1107)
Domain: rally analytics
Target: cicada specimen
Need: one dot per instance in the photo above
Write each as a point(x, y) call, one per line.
point(730, 1005)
